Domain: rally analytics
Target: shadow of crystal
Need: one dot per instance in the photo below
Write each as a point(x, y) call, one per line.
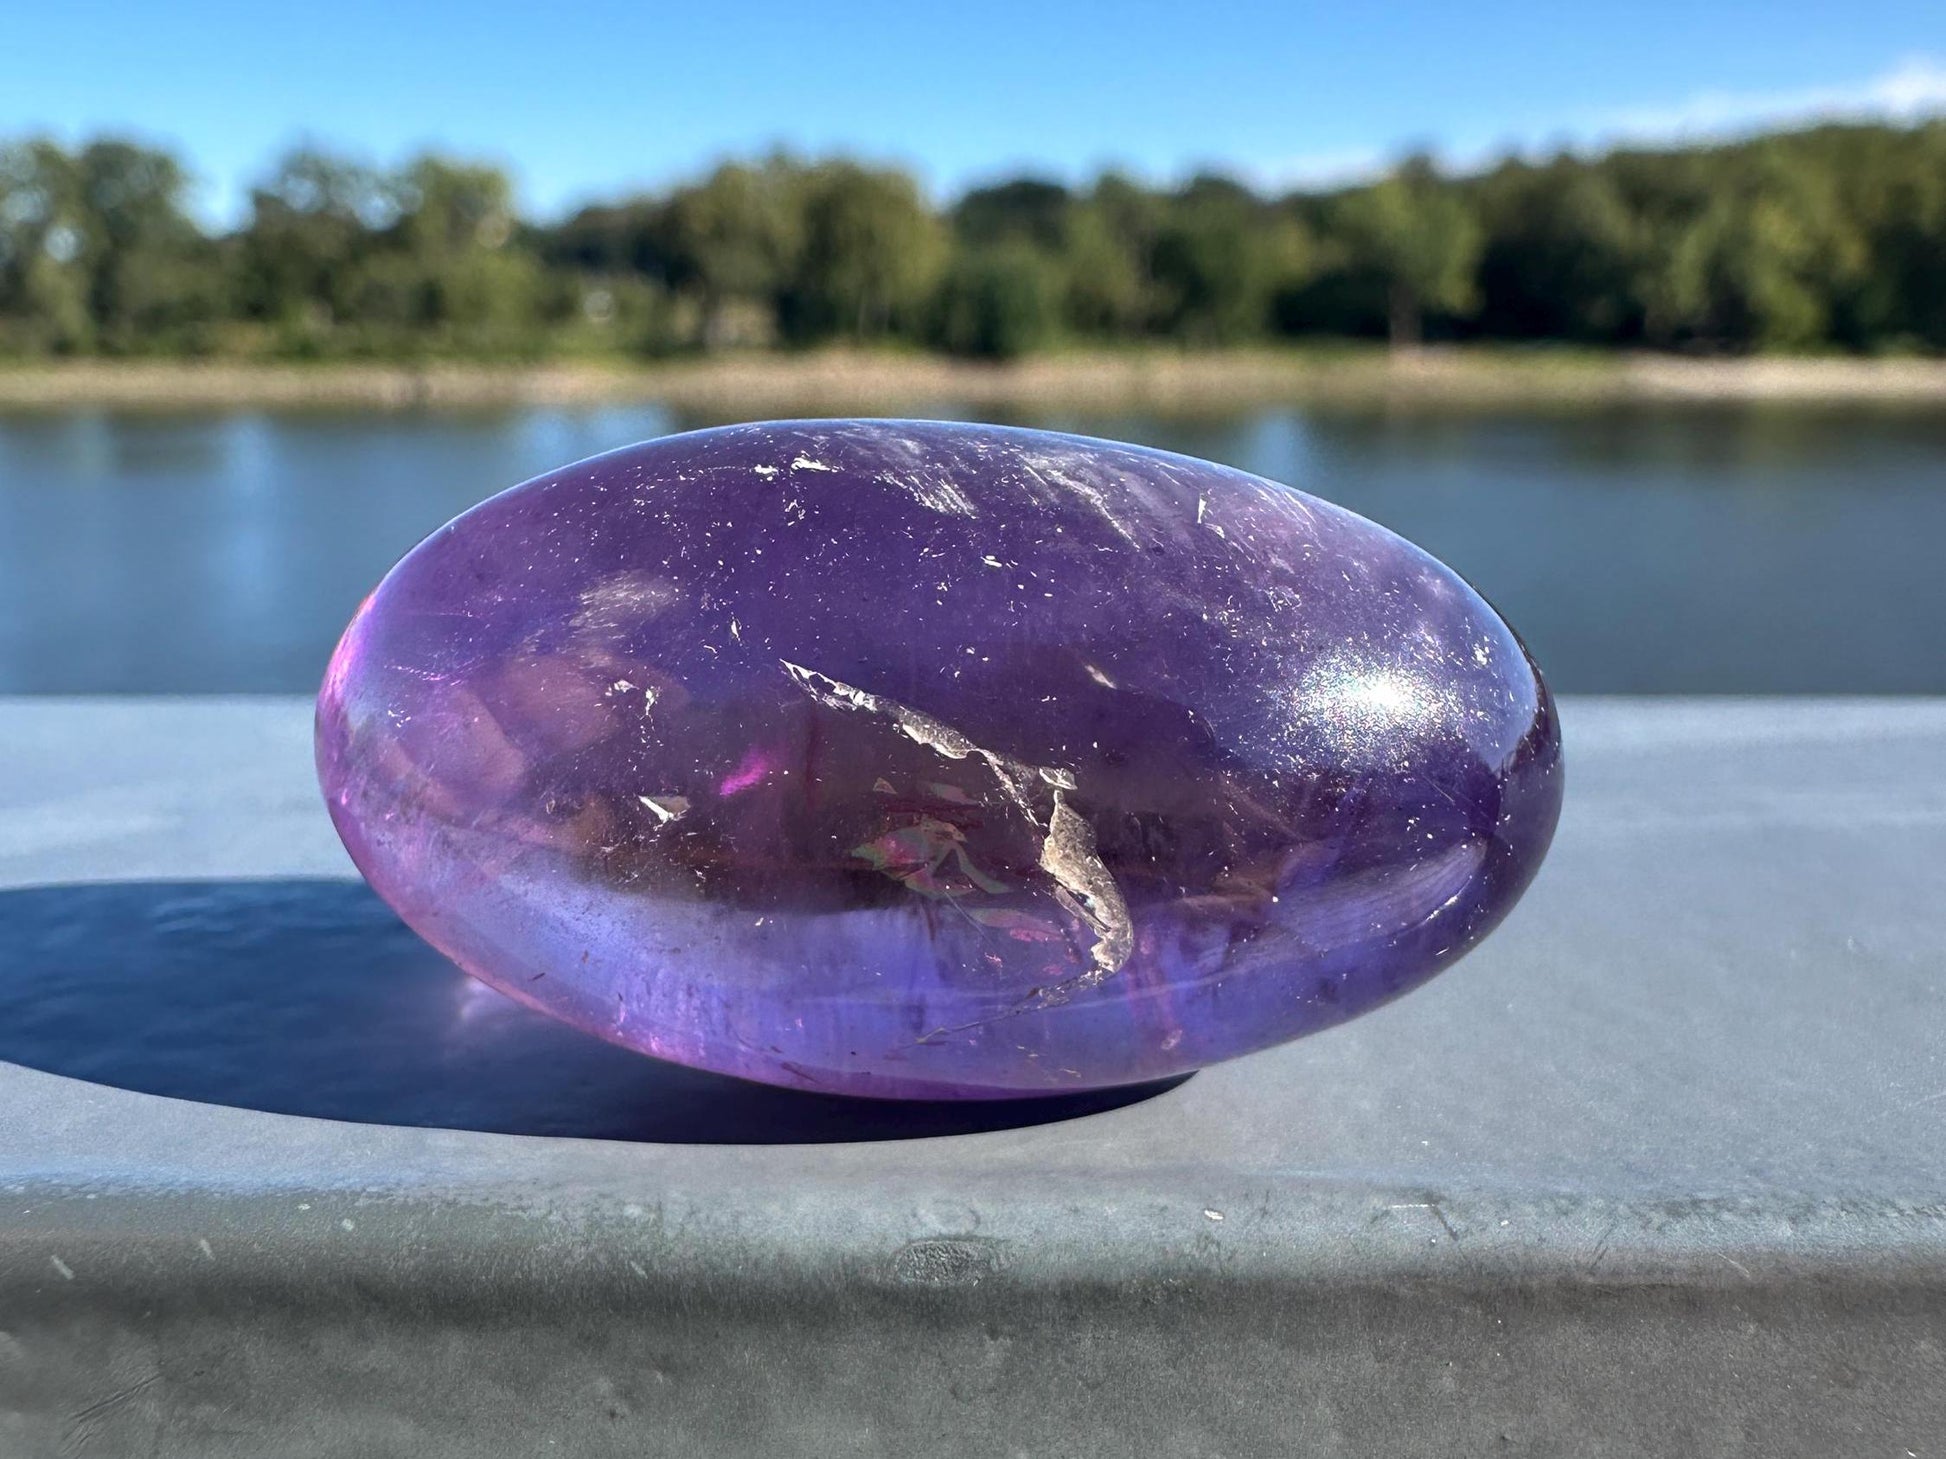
point(309, 997)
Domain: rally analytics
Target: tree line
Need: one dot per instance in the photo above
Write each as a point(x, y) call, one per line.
point(1831, 238)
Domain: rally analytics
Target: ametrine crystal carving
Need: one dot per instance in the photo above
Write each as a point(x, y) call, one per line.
point(927, 760)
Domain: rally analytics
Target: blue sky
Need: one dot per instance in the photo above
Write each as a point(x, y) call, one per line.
point(585, 99)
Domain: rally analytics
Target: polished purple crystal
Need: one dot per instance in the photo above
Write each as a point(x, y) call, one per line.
point(914, 759)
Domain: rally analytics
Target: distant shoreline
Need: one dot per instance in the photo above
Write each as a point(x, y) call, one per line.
point(840, 381)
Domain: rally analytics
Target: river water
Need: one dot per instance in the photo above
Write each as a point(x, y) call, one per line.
point(1647, 549)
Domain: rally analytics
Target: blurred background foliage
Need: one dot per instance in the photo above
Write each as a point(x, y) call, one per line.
point(1827, 239)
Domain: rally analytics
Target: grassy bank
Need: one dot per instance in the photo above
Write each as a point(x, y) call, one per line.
point(838, 381)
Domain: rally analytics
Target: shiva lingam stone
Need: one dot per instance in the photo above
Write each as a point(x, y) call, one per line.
point(926, 760)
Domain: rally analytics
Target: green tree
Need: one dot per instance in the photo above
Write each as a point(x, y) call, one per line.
point(610, 238)
point(43, 285)
point(1420, 236)
point(451, 273)
point(313, 229)
point(1219, 255)
point(1562, 254)
point(1080, 259)
point(150, 273)
point(733, 241)
point(872, 249)
point(1027, 210)
point(1832, 236)
point(998, 301)
point(1764, 260)
point(1110, 246)
point(1895, 187)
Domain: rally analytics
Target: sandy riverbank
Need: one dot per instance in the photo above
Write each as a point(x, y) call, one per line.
point(842, 381)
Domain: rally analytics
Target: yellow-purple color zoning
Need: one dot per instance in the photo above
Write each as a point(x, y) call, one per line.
point(925, 760)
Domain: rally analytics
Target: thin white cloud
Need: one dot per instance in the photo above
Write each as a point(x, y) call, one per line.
point(1914, 88)
point(1910, 91)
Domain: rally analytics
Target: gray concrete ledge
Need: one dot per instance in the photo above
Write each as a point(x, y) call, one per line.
point(1661, 1168)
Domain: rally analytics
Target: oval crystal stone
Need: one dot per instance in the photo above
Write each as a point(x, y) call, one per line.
point(926, 760)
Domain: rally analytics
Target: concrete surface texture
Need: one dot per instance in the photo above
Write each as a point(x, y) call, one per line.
point(1658, 1169)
